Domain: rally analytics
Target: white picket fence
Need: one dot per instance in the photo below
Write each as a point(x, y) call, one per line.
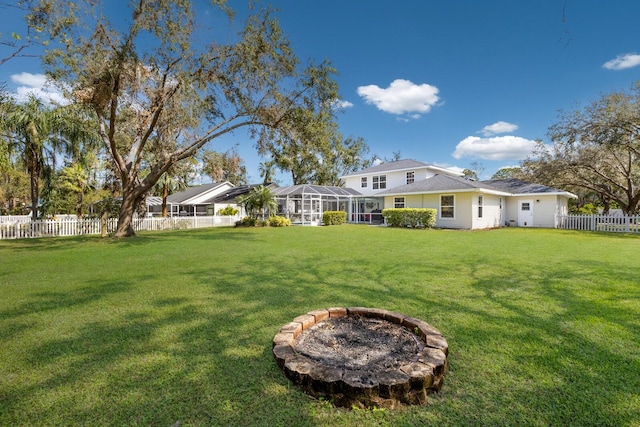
point(610, 223)
point(20, 229)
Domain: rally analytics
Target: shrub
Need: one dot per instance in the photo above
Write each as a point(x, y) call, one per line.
point(410, 217)
point(247, 222)
point(228, 211)
point(279, 221)
point(334, 217)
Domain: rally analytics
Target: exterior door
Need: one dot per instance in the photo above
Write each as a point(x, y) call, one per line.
point(525, 213)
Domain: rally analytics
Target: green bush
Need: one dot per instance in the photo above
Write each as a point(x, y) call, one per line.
point(247, 221)
point(279, 221)
point(334, 217)
point(410, 217)
point(228, 211)
point(272, 221)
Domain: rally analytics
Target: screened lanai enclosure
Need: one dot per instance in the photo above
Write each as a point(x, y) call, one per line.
point(304, 204)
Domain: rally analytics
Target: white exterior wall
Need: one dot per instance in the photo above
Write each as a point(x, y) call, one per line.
point(394, 179)
point(546, 209)
point(462, 207)
point(462, 211)
point(491, 211)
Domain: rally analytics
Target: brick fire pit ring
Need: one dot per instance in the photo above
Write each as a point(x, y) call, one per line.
point(397, 359)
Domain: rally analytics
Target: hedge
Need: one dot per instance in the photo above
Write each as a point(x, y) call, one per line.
point(279, 221)
point(410, 217)
point(334, 217)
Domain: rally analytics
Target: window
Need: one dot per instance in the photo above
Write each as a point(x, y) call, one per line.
point(379, 182)
point(363, 182)
point(398, 202)
point(411, 176)
point(479, 206)
point(447, 206)
point(526, 206)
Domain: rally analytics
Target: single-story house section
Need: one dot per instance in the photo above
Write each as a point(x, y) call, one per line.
point(229, 198)
point(191, 202)
point(532, 205)
point(467, 204)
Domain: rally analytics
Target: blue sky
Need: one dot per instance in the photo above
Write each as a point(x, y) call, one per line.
point(449, 82)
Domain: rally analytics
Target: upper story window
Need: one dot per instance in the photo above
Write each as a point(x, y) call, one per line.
point(479, 206)
point(379, 182)
point(363, 182)
point(398, 202)
point(447, 206)
point(411, 177)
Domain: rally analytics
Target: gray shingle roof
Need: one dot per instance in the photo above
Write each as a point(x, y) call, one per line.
point(439, 183)
point(516, 186)
point(230, 195)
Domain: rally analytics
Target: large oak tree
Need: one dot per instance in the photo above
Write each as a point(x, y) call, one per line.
point(596, 150)
point(169, 79)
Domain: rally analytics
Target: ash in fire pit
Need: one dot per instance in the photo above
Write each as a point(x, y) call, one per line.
point(362, 357)
point(355, 342)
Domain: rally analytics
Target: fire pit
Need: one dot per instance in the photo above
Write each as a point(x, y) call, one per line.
point(363, 357)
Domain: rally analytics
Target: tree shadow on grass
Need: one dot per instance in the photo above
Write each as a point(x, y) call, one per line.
point(178, 358)
point(141, 239)
point(201, 352)
point(548, 374)
point(570, 367)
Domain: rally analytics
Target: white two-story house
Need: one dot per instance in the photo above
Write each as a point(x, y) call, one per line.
point(378, 179)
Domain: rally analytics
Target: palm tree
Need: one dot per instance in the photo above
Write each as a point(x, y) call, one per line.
point(260, 200)
point(40, 132)
point(169, 184)
point(28, 126)
point(266, 170)
point(175, 179)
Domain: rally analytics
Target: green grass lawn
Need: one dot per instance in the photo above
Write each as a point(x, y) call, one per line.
point(543, 325)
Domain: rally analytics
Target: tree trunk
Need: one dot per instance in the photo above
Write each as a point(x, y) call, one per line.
point(130, 202)
point(35, 195)
point(103, 224)
point(165, 194)
point(79, 205)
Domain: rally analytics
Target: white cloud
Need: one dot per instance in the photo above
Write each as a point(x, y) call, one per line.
point(453, 168)
point(621, 62)
point(28, 79)
point(498, 127)
point(401, 97)
point(37, 85)
point(342, 104)
point(495, 148)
